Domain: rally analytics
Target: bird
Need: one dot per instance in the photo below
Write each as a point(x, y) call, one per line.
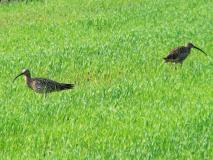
point(180, 53)
point(43, 85)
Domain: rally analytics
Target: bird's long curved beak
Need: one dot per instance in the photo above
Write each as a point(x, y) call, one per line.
point(17, 76)
point(200, 50)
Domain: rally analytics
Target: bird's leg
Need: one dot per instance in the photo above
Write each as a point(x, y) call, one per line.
point(175, 66)
point(45, 92)
point(45, 95)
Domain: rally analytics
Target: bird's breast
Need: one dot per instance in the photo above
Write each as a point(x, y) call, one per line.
point(37, 86)
point(183, 55)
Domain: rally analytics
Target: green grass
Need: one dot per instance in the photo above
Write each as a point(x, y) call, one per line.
point(127, 103)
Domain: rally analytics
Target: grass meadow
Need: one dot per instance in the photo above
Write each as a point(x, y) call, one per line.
point(127, 104)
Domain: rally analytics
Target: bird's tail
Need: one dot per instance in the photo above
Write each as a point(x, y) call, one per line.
point(166, 60)
point(64, 86)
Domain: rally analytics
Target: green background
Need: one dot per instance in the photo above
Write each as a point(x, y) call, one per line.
point(127, 104)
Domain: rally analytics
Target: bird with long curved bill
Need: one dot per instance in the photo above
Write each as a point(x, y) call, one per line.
point(179, 54)
point(43, 85)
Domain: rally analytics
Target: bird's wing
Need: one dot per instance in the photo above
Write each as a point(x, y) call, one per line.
point(174, 54)
point(45, 84)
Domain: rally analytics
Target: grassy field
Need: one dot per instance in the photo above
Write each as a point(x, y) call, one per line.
point(127, 104)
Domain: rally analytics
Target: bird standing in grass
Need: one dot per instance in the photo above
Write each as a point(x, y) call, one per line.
point(179, 54)
point(43, 85)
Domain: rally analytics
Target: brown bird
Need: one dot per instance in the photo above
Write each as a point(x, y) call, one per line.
point(43, 85)
point(179, 54)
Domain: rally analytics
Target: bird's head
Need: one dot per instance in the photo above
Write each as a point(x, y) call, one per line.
point(24, 72)
point(190, 45)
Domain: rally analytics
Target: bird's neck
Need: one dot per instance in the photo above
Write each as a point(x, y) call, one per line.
point(27, 79)
point(189, 49)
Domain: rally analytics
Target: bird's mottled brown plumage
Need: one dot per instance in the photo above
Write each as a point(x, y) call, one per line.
point(179, 54)
point(43, 85)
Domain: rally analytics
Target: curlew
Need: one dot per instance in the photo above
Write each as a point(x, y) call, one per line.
point(43, 85)
point(179, 54)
